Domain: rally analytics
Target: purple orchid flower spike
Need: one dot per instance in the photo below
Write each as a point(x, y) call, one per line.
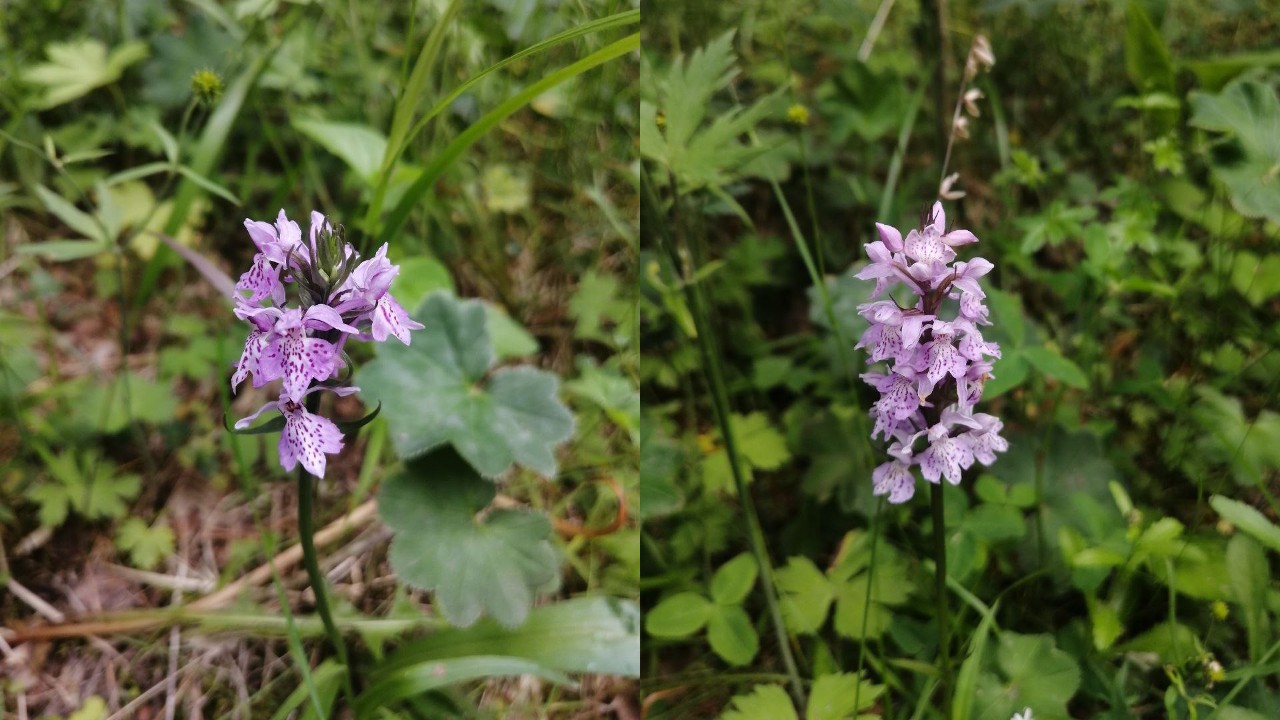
point(937, 359)
point(338, 297)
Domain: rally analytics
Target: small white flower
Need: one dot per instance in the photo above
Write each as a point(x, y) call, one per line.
point(1024, 715)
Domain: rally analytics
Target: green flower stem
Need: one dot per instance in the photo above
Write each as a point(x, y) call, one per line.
point(306, 532)
point(720, 403)
point(944, 613)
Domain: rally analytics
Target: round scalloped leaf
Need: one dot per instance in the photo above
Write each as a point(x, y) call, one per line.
point(1249, 161)
point(1034, 673)
point(493, 564)
point(439, 390)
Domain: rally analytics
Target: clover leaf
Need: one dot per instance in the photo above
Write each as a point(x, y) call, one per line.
point(494, 562)
point(440, 390)
point(729, 629)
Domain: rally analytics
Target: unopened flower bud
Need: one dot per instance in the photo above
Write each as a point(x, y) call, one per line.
point(946, 191)
point(798, 115)
point(971, 98)
point(980, 57)
point(206, 87)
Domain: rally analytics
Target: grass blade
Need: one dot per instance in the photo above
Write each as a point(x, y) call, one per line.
point(445, 157)
point(423, 677)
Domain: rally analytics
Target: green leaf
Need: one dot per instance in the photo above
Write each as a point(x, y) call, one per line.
point(610, 391)
point(510, 339)
point(418, 679)
point(996, 523)
point(1248, 162)
point(766, 702)
point(1146, 57)
point(208, 184)
point(108, 495)
point(76, 67)
point(74, 218)
point(734, 580)
point(678, 616)
point(439, 390)
point(1104, 622)
point(689, 87)
point(1173, 642)
point(420, 276)
point(583, 634)
point(1191, 202)
point(853, 616)
point(1008, 315)
point(1162, 539)
point(1247, 520)
point(54, 502)
point(1228, 436)
point(967, 678)
point(850, 575)
point(167, 141)
point(699, 156)
point(1250, 577)
point(324, 680)
point(1256, 279)
point(1035, 673)
point(1053, 364)
point(595, 302)
point(731, 634)
point(661, 459)
point(832, 697)
point(492, 564)
point(1235, 712)
point(146, 545)
point(359, 146)
point(805, 595)
point(64, 250)
point(762, 446)
point(102, 408)
point(1214, 72)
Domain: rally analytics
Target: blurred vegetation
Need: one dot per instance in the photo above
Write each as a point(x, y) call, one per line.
point(1117, 561)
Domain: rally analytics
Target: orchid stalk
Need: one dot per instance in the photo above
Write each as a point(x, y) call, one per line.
point(936, 362)
point(338, 297)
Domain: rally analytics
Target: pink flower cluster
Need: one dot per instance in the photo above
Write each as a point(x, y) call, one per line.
point(935, 367)
point(339, 297)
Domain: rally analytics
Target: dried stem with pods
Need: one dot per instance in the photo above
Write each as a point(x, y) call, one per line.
point(980, 59)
